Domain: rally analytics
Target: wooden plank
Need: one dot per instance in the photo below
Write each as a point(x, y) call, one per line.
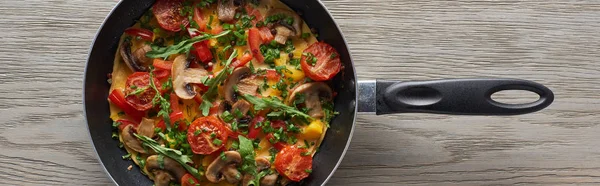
point(45, 44)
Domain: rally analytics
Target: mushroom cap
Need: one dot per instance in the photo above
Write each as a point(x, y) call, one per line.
point(232, 80)
point(226, 10)
point(162, 178)
point(261, 164)
point(146, 128)
point(242, 105)
point(295, 27)
point(231, 174)
point(312, 93)
point(214, 170)
point(130, 140)
point(183, 77)
point(130, 60)
point(170, 166)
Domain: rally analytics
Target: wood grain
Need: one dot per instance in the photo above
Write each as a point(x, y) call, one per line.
point(44, 47)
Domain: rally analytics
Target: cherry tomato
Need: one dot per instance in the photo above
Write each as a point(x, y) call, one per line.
point(265, 34)
point(189, 180)
point(202, 51)
point(138, 90)
point(162, 64)
point(199, 19)
point(144, 34)
point(206, 135)
point(254, 42)
point(322, 63)
point(125, 122)
point(271, 74)
point(167, 13)
point(241, 61)
point(116, 97)
point(291, 163)
point(252, 130)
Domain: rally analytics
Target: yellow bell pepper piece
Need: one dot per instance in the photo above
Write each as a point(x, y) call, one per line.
point(313, 130)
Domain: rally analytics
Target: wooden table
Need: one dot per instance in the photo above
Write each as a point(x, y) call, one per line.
point(44, 45)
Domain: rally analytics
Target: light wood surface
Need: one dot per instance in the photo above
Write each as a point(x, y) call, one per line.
point(44, 44)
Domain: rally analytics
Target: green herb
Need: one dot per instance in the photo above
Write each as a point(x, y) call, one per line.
point(308, 170)
point(168, 85)
point(213, 135)
point(141, 161)
point(295, 63)
point(126, 156)
point(237, 113)
point(227, 117)
point(333, 55)
point(329, 112)
point(252, 69)
point(213, 85)
point(181, 47)
point(300, 98)
point(116, 124)
point(121, 113)
point(310, 58)
point(222, 156)
point(289, 20)
point(234, 125)
point(137, 91)
point(270, 52)
point(114, 135)
point(161, 161)
point(164, 103)
point(305, 35)
point(246, 150)
point(307, 144)
point(217, 142)
point(273, 103)
point(197, 132)
point(307, 153)
point(171, 153)
point(235, 145)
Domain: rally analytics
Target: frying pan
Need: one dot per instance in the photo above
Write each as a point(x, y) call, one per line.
point(453, 96)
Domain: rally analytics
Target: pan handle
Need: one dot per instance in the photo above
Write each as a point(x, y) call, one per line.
point(452, 96)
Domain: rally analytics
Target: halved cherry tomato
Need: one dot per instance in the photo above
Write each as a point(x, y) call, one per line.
point(252, 130)
point(125, 122)
point(271, 74)
point(254, 42)
point(291, 163)
point(162, 64)
point(327, 63)
point(138, 90)
point(167, 13)
point(241, 61)
point(144, 34)
point(198, 18)
point(278, 145)
point(189, 180)
point(206, 135)
point(265, 34)
point(116, 97)
point(202, 51)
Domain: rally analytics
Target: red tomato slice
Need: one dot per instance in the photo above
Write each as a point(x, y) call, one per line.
point(162, 64)
point(167, 13)
point(200, 131)
point(271, 74)
point(252, 131)
point(327, 63)
point(144, 34)
point(116, 97)
point(292, 164)
point(189, 180)
point(265, 34)
point(254, 42)
point(241, 61)
point(125, 122)
point(140, 100)
point(199, 19)
point(202, 51)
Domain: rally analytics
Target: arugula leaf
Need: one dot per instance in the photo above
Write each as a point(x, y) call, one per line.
point(269, 102)
point(213, 85)
point(181, 47)
point(165, 105)
point(171, 153)
point(247, 152)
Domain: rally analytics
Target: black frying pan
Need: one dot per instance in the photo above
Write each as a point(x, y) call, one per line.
point(458, 96)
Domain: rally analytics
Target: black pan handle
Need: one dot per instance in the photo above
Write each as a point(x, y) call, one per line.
point(457, 96)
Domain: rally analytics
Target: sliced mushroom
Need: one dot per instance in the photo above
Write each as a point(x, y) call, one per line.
point(261, 164)
point(183, 77)
point(240, 77)
point(130, 140)
point(312, 93)
point(170, 171)
point(231, 174)
point(285, 30)
point(242, 105)
point(220, 167)
point(146, 128)
point(135, 61)
point(226, 10)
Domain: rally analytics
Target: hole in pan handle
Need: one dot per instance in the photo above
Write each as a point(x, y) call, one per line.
point(456, 96)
